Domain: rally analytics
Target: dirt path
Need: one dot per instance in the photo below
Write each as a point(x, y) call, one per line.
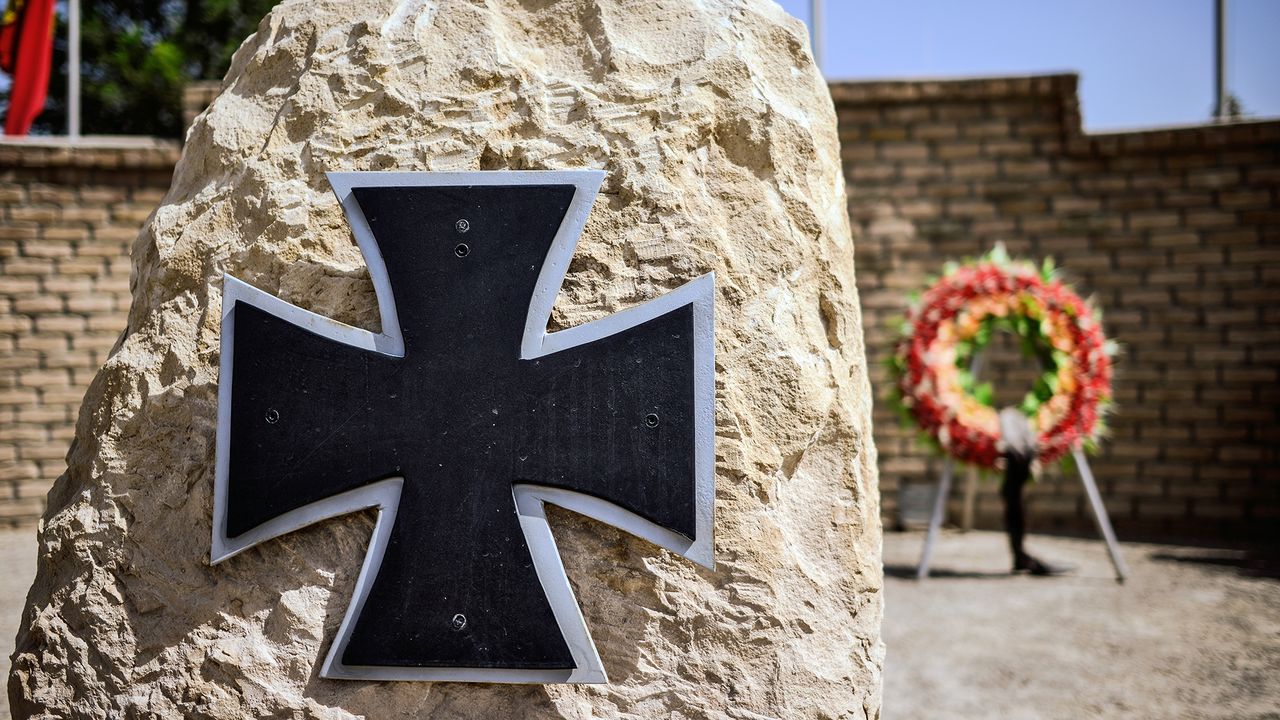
point(1189, 636)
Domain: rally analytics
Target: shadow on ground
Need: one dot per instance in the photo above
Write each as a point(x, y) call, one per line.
point(908, 572)
point(1263, 562)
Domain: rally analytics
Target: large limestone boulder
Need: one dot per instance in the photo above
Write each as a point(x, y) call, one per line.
point(719, 143)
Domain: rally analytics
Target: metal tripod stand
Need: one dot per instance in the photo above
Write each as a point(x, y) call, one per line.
point(1090, 487)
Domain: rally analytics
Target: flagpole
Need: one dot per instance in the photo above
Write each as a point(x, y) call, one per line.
point(1220, 61)
point(73, 69)
point(815, 31)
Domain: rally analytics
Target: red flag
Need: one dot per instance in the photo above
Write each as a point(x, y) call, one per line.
point(26, 52)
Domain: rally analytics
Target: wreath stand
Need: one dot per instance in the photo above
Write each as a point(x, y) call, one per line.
point(1090, 487)
point(1101, 519)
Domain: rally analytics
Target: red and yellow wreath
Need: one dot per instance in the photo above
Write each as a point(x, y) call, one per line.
point(955, 318)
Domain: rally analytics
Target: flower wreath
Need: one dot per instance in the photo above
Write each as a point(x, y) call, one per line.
point(956, 317)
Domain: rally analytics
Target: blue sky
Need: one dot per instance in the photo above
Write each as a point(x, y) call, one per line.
point(1141, 62)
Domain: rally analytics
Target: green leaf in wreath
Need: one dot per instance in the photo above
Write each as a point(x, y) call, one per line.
point(1043, 389)
point(1030, 405)
point(999, 255)
point(983, 335)
point(985, 394)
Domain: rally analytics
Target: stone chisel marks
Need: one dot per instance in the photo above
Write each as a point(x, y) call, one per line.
point(461, 420)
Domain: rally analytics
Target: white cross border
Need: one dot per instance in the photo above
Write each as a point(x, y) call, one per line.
point(530, 500)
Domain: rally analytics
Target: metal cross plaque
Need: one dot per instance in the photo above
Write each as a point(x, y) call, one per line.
point(460, 421)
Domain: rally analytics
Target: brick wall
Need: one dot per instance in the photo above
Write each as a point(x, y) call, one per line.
point(69, 217)
point(196, 97)
point(1175, 232)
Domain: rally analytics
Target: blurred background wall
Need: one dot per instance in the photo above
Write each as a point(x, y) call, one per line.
point(70, 216)
point(1175, 232)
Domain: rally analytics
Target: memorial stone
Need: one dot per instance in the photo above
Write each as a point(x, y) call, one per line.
point(717, 140)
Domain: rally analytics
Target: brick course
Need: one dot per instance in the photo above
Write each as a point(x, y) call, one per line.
point(68, 216)
point(1176, 234)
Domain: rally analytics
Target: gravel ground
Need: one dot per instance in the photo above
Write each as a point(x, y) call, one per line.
point(1191, 635)
point(17, 568)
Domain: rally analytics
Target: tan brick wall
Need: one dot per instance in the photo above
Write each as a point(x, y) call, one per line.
point(1175, 232)
point(196, 97)
point(69, 217)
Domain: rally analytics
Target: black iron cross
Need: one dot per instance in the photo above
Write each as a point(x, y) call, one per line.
point(460, 420)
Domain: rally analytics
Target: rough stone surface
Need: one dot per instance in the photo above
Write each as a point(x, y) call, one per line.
point(718, 138)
